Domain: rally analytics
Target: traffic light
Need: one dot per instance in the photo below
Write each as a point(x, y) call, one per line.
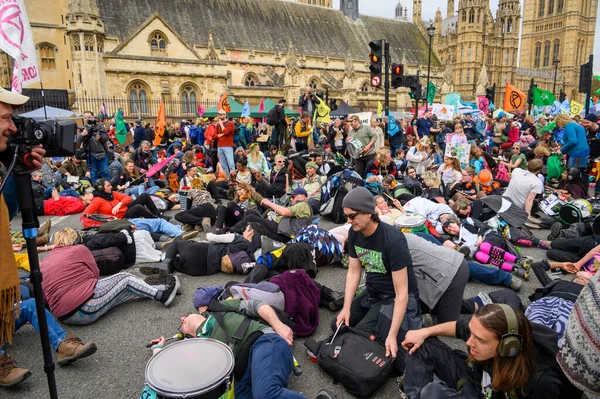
point(585, 78)
point(397, 76)
point(530, 94)
point(376, 66)
point(490, 94)
point(412, 82)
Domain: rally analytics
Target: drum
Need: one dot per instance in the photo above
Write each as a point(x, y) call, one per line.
point(575, 211)
point(354, 147)
point(411, 223)
point(192, 368)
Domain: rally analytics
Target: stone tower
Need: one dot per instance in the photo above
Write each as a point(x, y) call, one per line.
point(508, 27)
point(349, 8)
point(399, 11)
point(417, 12)
point(85, 29)
point(450, 9)
point(562, 30)
point(322, 3)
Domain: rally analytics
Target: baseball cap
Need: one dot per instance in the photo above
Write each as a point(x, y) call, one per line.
point(12, 98)
point(298, 191)
point(354, 118)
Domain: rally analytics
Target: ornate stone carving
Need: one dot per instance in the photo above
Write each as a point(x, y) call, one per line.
point(349, 66)
point(211, 53)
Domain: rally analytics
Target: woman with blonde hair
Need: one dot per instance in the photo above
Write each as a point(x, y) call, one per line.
point(432, 183)
point(450, 170)
point(418, 156)
point(278, 180)
point(575, 145)
point(382, 165)
point(257, 162)
point(74, 292)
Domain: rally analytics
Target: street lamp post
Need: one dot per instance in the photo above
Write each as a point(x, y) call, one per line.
point(556, 61)
point(430, 32)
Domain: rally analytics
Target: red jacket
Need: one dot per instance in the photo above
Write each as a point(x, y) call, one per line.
point(228, 131)
point(63, 206)
point(105, 207)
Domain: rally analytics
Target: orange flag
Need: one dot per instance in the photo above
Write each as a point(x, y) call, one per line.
point(160, 124)
point(514, 99)
point(223, 103)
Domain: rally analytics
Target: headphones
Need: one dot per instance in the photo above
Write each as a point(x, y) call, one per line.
point(99, 185)
point(78, 240)
point(511, 342)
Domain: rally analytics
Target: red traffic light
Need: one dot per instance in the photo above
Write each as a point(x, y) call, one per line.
point(376, 81)
point(397, 70)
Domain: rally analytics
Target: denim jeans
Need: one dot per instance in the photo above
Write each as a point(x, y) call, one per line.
point(226, 159)
point(489, 275)
point(157, 225)
point(269, 367)
point(139, 190)
point(68, 192)
point(28, 314)
point(580, 163)
point(98, 168)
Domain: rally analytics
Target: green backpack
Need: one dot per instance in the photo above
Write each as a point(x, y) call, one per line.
point(554, 166)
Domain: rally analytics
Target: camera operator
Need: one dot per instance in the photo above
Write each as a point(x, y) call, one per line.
point(93, 140)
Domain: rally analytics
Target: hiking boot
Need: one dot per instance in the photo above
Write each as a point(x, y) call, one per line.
point(521, 272)
point(190, 234)
point(44, 229)
point(42, 240)
point(161, 268)
point(73, 348)
point(160, 282)
point(336, 301)
point(515, 284)
point(187, 227)
point(10, 374)
point(167, 295)
point(207, 225)
point(555, 231)
point(525, 262)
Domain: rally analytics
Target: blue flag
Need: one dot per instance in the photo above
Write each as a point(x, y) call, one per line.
point(565, 107)
point(246, 110)
point(392, 125)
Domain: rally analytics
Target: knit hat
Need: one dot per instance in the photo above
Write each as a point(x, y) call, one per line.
point(360, 199)
point(311, 165)
point(204, 295)
point(578, 355)
point(591, 117)
point(485, 177)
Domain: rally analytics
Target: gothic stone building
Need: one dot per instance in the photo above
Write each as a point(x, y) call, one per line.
point(192, 51)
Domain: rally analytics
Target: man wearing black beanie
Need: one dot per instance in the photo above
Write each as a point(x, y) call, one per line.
point(389, 306)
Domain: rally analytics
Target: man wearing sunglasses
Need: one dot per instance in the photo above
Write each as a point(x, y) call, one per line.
point(225, 131)
point(389, 306)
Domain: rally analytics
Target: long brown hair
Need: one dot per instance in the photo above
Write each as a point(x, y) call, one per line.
point(249, 190)
point(509, 373)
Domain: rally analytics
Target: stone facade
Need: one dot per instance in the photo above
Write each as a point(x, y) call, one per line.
point(556, 29)
point(322, 3)
point(471, 37)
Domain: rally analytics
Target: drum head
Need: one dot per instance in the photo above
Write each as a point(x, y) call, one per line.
point(189, 367)
point(409, 221)
point(570, 214)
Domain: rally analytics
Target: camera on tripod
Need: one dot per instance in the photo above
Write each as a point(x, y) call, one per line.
point(57, 137)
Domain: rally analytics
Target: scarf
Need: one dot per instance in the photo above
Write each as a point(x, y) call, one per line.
point(9, 279)
point(107, 196)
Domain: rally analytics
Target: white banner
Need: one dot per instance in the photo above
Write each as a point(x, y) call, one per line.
point(444, 112)
point(16, 40)
point(365, 117)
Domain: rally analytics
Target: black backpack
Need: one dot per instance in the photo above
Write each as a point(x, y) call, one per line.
point(355, 360)
point(337, 212)
point(272, 117)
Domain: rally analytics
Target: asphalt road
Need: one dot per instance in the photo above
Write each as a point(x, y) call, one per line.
point(117, 369)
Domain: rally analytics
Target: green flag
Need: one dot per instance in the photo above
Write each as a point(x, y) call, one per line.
point(121, 127)
point(431, 92)
point(542, 98)
point(549, 126)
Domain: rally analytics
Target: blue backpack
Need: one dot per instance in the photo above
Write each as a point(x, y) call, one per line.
point(193, 131)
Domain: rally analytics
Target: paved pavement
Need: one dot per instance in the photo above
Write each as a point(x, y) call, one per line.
point(117, 369)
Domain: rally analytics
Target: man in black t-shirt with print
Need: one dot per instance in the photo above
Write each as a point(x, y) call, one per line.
point(389, 306)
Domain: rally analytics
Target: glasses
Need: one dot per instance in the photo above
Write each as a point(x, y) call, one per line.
point(516, 148)
point(280, 161)
point(352, 216)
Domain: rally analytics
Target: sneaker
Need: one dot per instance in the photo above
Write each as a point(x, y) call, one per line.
point(521, 272)
point(532, 225)
point(336, 301)
point(73, 348)
point(167, 295)
point(160, 282)
point(525, 262)
point(207, 225)
point(44, 229)
point(466, 251)
point(555, 231)
point(190, 234)
point(10, 374)
point(544, 244)
point(534, 220)
point(427, 320)
point(156, 268)
point(187, 227)
point(515, 284)
point(484, 298)
point(325, 394)
point(199, 228)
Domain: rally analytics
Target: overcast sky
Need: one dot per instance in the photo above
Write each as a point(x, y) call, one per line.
point(386, 8)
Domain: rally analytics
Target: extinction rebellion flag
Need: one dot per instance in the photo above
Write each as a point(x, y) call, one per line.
point(542, 97)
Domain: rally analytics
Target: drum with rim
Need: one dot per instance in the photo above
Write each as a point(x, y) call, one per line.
point(411, 223)
point(192, 368)
point(355, 148)
point(575, 211)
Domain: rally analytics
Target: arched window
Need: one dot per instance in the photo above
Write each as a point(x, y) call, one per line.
point(472, 16)
point(464, 16)
point(365, 87)
point(550, 7)
point(76, 43)
point(100, 47)
point(556, 49)
point(538, 53)
point(314, 84)
point(560, 6)
point(47, 56)
point(542, 8)
point(88, 43)
point(478, 16)
point(460, 77)
point(509, 25)
point(138, 97)
point(469, 54)
point(468, 76)
point(188, 100)
point(546, 53)
point(158, 41)
point(250, 80)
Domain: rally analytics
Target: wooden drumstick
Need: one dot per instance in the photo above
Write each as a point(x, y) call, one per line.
point(401, 209)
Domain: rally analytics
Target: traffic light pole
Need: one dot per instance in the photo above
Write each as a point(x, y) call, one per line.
point(530, 97)
point(588, 94)
point(417, 95)
point(386, 107)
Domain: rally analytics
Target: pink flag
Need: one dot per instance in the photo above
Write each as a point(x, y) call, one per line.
point(200, 110)
point(261, 108)
point(483, 103)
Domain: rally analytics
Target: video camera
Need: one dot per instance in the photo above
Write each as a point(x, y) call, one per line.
point(57, 137)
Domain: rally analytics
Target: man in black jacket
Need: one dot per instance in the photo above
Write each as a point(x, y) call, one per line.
point(279, 125)
point(94, 141)
point(139, 134)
